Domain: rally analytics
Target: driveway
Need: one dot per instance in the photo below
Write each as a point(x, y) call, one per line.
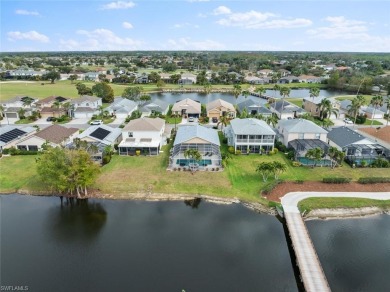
point(8, 121)
point(41, 121)
point(117, 122)
point(80, 121)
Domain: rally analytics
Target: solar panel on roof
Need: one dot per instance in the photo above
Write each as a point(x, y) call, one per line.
point(100, 133)
point(60, 98)
point(11, 135)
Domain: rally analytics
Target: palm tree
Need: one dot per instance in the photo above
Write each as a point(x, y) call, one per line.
point(336, 156)
point(272, 120)
point(265, 169)
point(376, 102)
point(21, 113)
point(278, 168)
point(223, 121)
point(327, 109)
point(237, 91)
point(194, 155)
point(27, 101)
point(56, 105)
point(67, 106)
point(276, 88)
point(284, 92)
point(207, 89)
point(314, 154)
point(245, 93)
point(355, 106)
point(314, 92)
point(388, 110)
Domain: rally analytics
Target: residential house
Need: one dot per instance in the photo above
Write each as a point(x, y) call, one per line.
point(10, 135)
point(101, 134)
point(358, 148)
point(49, 101)
point(24, 73)
point(154, 107)
point(54, 135)
point(286, 110)
point(121, 107)
point(284, 72)
point(310, 79)
point(288, 79)
point(187, 108)
point(218, 108)
point(86, 106)
point(197, 137)
point(253, 108)
point(257, 80)
point(289, 130)
point(144, 136)
point(187, 79)
point(92, 76)
point(47, 109)
point(14, 105)
point(265, 72)
point(250, 136)
point(166, 77)
point(312, 106)
point(373, 113)
point(143, 78)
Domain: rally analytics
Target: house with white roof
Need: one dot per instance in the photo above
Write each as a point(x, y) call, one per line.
point(143, 136)
point(122, 107)
point(197, 137)
point(253, 108)
point(86, 106)
point(187, 78)
point(250, 136)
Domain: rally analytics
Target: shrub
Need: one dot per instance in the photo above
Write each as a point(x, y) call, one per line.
point(238, 152)
point(373, 180)
point(380, 163)
point(299, 181)
point(224, 141)
point(231, 150)
point(269, 186)
point(336, 180)
point(276, 150)
point(280, 146)
point(271, 152)
point(290, 154)
point(106, 159)
point(296, 163)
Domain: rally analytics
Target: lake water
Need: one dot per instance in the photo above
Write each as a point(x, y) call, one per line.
point(203, 98)
point(104, 245)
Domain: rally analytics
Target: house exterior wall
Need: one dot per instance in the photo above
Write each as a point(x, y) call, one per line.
point(154, 135)
point(91, 104)
point(33, 141)
point(83, 115)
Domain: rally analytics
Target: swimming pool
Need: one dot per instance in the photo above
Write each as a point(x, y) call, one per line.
point(185, 162)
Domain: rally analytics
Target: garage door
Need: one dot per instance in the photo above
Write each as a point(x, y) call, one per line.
point(12, 115)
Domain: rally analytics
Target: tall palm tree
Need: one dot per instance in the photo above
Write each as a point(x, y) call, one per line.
point(314, 92)
point(27, 101)
point(223, 121)
point(272, 120)
point(193, 154)
point(67, 106)
point(237, 91)
point(387, 102)
point(355, 106)
point(207, 90)
point(376, 102)
point(276, 88)
point(260, 90)
point(56, 105)
point(327, 109)
point(245, 93)
point(284, 92)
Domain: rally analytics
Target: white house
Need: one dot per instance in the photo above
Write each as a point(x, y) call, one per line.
point(187, 78)
point(101, 134)
point(122, 107)
point(86, 106)
point(54, 135)
point(143, 136)
point(250, 135)
point(10, 135)
point(286, 110)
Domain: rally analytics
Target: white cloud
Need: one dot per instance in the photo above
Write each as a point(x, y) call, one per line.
point(259, 20)
point(118, 5)
point(127, 25)
point(188, 44)
point(26, 12)
point(30, 35)
point(185, 25)
point(340, 28)
point(100, 39)
point(222, 10)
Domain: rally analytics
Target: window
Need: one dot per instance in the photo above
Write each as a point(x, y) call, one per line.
point(131, 134)
point(32, 148)
point(301, 136)
point(318, 136)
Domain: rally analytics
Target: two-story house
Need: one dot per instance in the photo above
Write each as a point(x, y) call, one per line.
point(143, 136)
point(250, 136)
point(312, 105)
point(218, 108)
point(86, 106)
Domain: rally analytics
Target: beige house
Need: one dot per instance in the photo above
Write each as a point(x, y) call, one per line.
point(312, 105)
point(54, 135)
point(187, 108)
point(49, 101)
point(302, 129)
point(219, 108)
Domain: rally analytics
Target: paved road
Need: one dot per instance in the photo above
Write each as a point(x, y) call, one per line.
point(290, 200)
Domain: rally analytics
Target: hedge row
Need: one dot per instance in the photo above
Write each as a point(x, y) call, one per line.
point(373, 180)
point(336, 180)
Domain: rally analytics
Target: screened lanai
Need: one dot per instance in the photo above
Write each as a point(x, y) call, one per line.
point(301, 146)
point(205, 140)
point(357, 153)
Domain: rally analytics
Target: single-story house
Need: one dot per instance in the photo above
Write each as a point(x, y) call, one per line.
point(253, 108)
point(143, 136)
point(312, 105)
point(257, 80)
point(373, 113)
point(187, 108)
point(10, 135)
point(101, 134)
point(286, 110)
point(218, 108)
point(289, 79)
point(197, 137)
point(122, 107)
point(310, 79)
point(265, 72)
point(154, 107)
point(49, 101)
point(250, 136)
point(289, 130)
point(54, 135)
point(357, 147)
point(187, 78)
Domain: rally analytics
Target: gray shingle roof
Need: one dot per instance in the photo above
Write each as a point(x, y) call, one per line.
point(250, 127)
point(249, 103)
point(122, 105)
point(185, 133)
point(287, 107)
point(156, 105)
point(300, 126)
point(344, 136)
point(108, 140)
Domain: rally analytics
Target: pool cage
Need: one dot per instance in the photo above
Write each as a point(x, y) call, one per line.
point(211, 157)
point(365, 154)
point(301, 146)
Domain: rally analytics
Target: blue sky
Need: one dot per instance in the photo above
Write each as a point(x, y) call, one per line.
point(86, 25)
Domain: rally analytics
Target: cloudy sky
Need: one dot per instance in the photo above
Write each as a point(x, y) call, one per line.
point(251, 25)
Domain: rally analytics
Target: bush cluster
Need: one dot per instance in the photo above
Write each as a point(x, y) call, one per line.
point(15, 151)
point(373, 180)
point(269, 186)
point(336, 180)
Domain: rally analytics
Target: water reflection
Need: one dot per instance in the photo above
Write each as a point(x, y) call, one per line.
point(194, 204)
point(77, 220)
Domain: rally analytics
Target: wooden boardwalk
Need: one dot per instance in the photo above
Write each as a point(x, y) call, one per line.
point(312, 275)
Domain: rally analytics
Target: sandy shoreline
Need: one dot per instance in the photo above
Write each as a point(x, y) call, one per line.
point(344, 213)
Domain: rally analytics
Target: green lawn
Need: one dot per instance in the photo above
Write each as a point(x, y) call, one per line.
point(24, 121)
point(375, 122)
point(173, 121)
point(350, 97)
point(317, 203)
point(296, 101)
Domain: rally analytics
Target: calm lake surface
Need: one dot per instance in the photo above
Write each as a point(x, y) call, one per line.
point(354, 253)
point(203, 98)
point(103, 245)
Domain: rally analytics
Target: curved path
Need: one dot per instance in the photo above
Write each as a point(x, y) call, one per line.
point(312, 275)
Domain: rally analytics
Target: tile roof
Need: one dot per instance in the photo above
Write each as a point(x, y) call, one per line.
point(144, 124)
point(56, 133)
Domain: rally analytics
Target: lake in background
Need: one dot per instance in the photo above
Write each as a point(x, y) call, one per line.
point(203, 98)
